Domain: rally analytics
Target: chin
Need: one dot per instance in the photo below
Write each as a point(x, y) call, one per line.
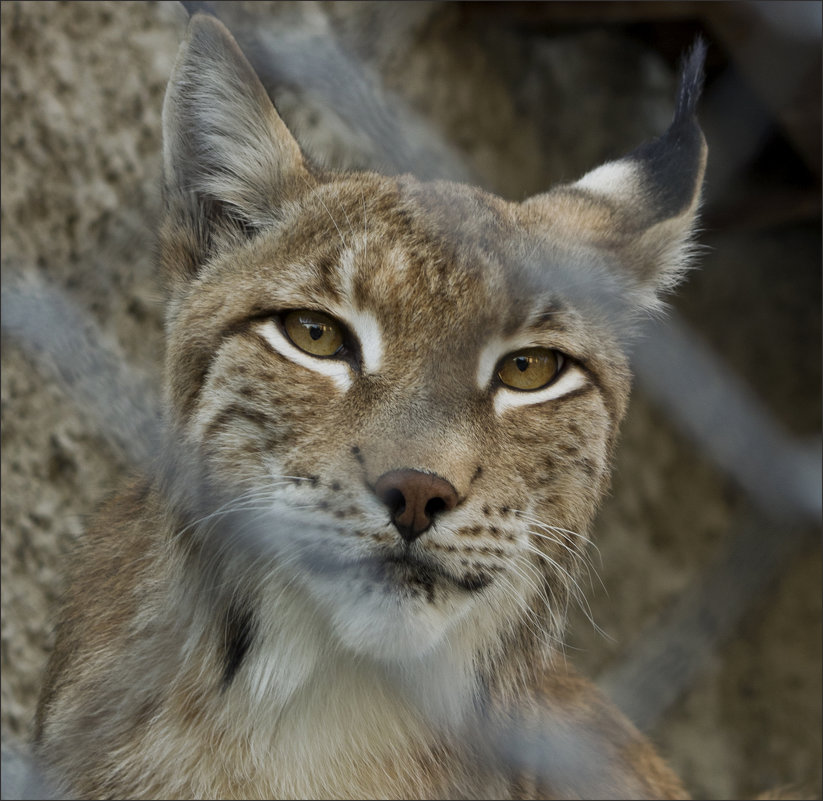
point(392, 623)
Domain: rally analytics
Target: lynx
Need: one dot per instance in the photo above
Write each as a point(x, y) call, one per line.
point(391, 407)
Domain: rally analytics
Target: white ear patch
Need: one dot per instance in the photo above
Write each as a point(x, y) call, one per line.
point(613, 179)
point(338, 371)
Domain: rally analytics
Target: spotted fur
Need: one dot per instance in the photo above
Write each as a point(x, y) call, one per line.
point(247, 622)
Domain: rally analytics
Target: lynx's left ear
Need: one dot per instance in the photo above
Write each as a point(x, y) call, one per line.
point(223, 141)
point(642, 208)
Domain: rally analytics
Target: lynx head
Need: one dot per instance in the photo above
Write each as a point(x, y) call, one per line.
point(409, 390)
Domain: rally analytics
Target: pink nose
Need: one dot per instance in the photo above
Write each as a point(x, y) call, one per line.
point(413, 499)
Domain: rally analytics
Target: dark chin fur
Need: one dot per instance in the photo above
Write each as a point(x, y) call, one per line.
point(407, 567)
point(401, 569)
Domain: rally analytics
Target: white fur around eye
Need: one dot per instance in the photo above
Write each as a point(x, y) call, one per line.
point(337, 370)
point(571, 379)
point(367, 330)
point(489, 357)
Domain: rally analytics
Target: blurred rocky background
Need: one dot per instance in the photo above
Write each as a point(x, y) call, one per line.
point(710, 542)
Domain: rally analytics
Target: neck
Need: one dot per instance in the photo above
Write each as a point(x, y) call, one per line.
point(325, 721)
point(297, 661)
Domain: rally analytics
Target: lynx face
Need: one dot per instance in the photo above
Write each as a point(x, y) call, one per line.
point(403, 395)
point(425, 326)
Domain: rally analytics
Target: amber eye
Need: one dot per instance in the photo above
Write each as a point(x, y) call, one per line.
point(531, 368)
point(314, 332)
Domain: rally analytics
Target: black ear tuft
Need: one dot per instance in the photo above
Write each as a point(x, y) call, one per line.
point(672, 165)
point(691, 81)
point(642, 207)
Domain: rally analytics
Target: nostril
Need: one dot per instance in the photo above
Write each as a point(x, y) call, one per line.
point(434, 506)
point(394, 500)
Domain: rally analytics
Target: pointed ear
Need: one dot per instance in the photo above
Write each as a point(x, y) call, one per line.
point(643, 207)
point(223, 141)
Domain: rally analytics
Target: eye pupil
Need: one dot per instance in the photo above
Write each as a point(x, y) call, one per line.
point(522, 363)
point(315, 332)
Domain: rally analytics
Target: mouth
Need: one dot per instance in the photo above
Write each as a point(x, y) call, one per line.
point(398, 570)
point(408, 569)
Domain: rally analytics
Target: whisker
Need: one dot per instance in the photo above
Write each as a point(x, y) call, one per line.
point(581, 557)
point(576, 590)
point(234, 504)
point(550, 536)
point(348, 220)
point(315, 193)
point(256, 492)
point(549, 596)
point(535, 624)
point(529, 518)
point(365, 228)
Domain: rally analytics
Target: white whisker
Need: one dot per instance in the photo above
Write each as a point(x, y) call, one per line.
point(365, 229)
point(314, 191)
point(576, 591)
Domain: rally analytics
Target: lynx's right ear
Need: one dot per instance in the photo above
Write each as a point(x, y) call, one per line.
point(642, 208)
point(223, 142)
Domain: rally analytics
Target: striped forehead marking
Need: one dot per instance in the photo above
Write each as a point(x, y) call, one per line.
point(362, 322)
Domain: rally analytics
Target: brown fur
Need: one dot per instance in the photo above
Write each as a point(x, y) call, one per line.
point(221, 644)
